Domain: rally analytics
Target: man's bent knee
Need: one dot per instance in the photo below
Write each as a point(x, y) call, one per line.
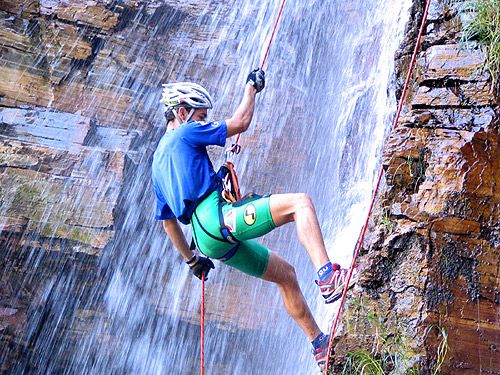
point(285, 206)
point(279, 271)
point(288, 272)
point(286, 276)
point(303, 201)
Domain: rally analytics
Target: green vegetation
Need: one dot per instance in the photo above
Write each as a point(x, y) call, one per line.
point(383, 217)
point(362, 362)
point(442, 349)
point(416, 168)
point(484, 26)
point(27, 195)
point(390, 352)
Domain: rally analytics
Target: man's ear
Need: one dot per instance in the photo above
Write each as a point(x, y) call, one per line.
point(182, 113)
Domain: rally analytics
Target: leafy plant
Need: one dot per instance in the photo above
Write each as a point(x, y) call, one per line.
point(483, 25)
point(385, 219)
point(382, 216)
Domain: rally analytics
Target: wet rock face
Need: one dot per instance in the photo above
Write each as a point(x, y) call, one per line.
point(431, 263)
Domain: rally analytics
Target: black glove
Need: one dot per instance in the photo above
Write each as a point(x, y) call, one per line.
point(200, 266)
point(257, 78)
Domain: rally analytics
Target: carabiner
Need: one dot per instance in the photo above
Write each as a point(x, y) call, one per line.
point(231, 151)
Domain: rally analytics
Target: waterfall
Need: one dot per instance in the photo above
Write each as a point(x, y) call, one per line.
point(318, 128)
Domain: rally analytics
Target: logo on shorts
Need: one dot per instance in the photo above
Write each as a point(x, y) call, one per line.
point(230, 220)
point(250, 214)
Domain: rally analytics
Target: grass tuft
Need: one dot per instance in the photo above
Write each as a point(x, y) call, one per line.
point(390, 352)
point(483, 26)
point(364, 363)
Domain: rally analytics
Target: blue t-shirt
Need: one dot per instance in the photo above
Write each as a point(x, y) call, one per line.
point(182, 172)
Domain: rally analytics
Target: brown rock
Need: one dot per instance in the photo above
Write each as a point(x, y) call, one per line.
point(467, 94)
point(93, 13)
point(11, 319)
point(443, 286)
point(454, 61)
point(13, 224)
point(11, 34)
point(25, 8)
point(456, 225)
point(25, 88)
point(481, 163)
point(450, 118)
point(63, 40)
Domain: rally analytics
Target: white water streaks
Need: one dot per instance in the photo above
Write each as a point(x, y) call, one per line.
point(318, 128)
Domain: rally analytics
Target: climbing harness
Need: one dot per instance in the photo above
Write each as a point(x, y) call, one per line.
point(230, 188)
point(377, 186)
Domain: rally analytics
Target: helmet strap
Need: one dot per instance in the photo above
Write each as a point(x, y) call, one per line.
point(190, 114)
point(174, 111)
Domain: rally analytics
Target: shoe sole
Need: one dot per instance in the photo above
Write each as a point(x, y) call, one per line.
point(337, 293)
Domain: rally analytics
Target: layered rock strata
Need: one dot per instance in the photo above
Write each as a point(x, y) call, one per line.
point(78, 98)
point(427, 299)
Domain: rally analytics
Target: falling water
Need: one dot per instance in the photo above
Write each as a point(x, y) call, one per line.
point(318, 128)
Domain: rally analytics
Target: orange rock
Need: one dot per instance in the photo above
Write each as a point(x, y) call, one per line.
point(63, 40)
point(456, 225)
point(453, 61)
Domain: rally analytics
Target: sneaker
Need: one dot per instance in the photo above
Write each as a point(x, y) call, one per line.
point(321, 353)
point(331, 290)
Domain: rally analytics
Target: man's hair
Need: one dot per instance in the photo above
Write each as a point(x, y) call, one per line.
point(169, 114)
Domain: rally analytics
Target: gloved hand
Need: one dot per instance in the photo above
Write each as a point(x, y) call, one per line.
point(257, 78)
point(200, 265)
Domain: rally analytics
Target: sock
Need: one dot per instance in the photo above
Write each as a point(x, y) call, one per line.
point(325, 272)
point(320, 341)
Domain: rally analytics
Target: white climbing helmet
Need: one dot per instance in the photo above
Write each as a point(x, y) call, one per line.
point(188, 93)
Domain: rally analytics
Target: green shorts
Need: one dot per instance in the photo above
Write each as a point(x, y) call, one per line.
point(245, 219)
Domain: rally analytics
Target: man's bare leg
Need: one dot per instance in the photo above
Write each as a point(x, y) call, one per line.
point(283, 274)
point(299, 208)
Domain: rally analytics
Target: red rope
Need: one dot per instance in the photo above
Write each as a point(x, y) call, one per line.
point(265, 57)
point(377, 186)
point(234, 148)
point(202, 325)
point(272, 34)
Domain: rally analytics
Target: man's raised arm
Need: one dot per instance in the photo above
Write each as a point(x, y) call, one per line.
point(240, 120)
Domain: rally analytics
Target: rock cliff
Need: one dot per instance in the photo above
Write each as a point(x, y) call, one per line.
point(427, 299)
point(431, 263)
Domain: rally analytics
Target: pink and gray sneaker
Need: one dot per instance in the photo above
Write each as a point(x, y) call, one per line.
point(320, 351)
point(331, 290)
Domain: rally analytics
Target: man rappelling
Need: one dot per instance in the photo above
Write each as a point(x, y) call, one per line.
point(188, 190)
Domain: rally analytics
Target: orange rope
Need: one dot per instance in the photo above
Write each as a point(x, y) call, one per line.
point(377, 186)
